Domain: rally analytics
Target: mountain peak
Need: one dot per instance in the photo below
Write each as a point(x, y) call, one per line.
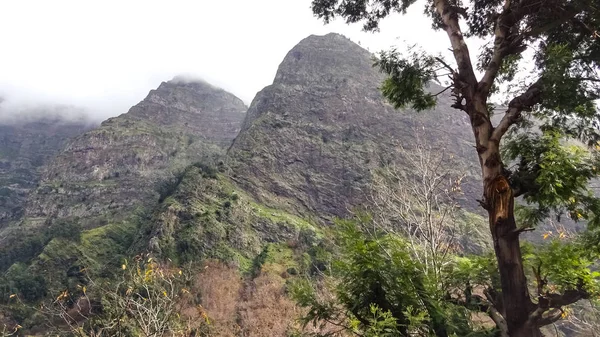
point(311, 141)
point(324, 56)
point(187, 81)
point(182, 95)
point(329, 37)
point(178, 123)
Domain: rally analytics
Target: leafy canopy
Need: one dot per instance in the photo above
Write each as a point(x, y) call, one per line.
point(378, 287)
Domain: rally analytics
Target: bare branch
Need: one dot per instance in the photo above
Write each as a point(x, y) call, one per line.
point(446, 65)
point(418, 199)
point(444, 90)
point(502, 47)
point(497, 317)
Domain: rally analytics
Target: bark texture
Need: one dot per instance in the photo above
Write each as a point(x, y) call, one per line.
point(516, 301)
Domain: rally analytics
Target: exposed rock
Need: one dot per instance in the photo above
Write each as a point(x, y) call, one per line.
point(25, 146)
point(116, 166)
point(311, 139)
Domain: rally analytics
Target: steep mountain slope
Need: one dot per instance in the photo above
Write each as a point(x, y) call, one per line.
point(305, 154)
point(117, 165)
point(311, 139)
point(26, 145)
point(307, 150)
point(103, 176)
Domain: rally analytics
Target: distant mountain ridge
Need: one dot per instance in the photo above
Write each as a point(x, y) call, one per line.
point(26, 144)
point(116, 165)
point(101, 177)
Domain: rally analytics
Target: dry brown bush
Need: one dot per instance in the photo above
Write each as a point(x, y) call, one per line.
point(214, 297)
point(265, 309)
point(236, 306)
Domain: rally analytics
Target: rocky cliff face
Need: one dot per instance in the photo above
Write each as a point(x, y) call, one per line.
point(104, 176)
point(306, 152)
point(311, 139)
point(25, 146)
point(117, 165)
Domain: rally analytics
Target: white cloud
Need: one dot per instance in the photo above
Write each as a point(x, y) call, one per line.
point(106, 55)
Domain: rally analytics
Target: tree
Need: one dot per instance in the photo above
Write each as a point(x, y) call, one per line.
point(416, 196)
point(147, 301)
point(563, 38)
point(380, 289)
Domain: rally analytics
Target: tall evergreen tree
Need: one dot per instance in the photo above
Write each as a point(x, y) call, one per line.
point(563, 37)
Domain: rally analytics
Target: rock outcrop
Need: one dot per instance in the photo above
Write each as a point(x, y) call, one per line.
point(104, 177)
point(311, 139)
point(115, 167)
point(25, 146)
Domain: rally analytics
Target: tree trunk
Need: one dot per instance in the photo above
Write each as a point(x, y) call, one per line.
point(517, 304)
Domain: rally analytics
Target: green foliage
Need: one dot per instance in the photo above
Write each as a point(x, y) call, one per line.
point(380, 290)
point(167, 187)
point(24, 246)
point(379, 272)
point(21, 249)
point(358, 10)
point(208, 171)
point(18, 280)
point(65, 229)
point(473, 270)
point(552, 176)
point(564, 265)
point(407, 78)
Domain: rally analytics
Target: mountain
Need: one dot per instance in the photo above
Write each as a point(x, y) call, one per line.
point(306, 153)
point(167, 178)
point(116, 166)
point(311, 139)
point(103, 176)
point(26, 144)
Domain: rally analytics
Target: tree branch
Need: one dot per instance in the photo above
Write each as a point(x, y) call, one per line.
point(521, 103)
point(502, 41)
point(446, 65)
point(476, 302)
point(552, 317)
point(508, 40)
point(443, 91)
point(568, 297)
point(556, 301)
point(449, 17)
point(501, 324)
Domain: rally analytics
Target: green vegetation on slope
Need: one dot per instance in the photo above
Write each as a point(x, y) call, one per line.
point(208, 217)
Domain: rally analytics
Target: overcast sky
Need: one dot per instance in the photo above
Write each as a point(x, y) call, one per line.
point(106, 55)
